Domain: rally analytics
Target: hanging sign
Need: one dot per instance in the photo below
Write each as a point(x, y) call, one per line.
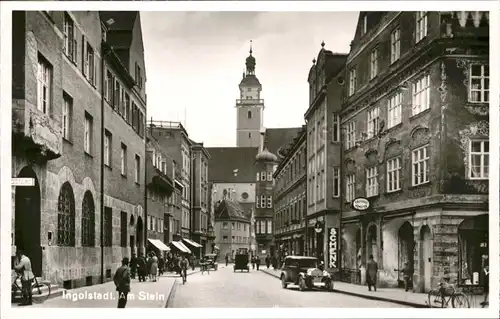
point(23, 181)
point(360, 204)
point(318, 227)
point(333, 247)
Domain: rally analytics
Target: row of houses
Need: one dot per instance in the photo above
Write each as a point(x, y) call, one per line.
point(107, 182)
point(393, 158)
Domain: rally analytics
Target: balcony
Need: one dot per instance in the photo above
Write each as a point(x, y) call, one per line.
point(158, 180)
point(249, 101)
point(35, 133)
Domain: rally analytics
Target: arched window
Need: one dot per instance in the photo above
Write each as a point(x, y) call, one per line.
point(249, 114)
point(88, 220)
point(66, 216)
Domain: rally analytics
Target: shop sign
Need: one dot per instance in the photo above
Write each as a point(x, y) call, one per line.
point(318, 227)
point(333, 247)
point(360, 204)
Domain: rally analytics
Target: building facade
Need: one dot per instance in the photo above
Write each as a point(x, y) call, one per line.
point(200, 198)
point(232, 228)
point(290, 201)
point(173, 137)
point(265, 164)
point(249, 107)
point(323, 142)
point(160, 188)
point(416, 128)
point(81, 140)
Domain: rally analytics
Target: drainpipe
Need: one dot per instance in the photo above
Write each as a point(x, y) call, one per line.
point(145, 182)
point(341, 191)
point(103, 56)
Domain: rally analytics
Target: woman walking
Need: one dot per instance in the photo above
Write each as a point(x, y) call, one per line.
point(153, 271)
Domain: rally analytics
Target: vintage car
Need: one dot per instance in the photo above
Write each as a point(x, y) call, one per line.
point(304, 272)
point(210, 261)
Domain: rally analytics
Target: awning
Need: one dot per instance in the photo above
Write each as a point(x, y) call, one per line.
point(159, 244)
point(192, 243)
point(180, 246)
point(216, 247)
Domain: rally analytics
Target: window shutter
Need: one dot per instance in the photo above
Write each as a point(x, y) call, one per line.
point(75, 49)
point(94, 80)
point(84, 56)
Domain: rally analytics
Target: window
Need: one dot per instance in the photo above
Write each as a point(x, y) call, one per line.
point(44, 85)
point(66, 216)
point(421, 26)
point(479, 159)
point(88, 220)
point(90, 64)
point(421, 95)
point(270, 176)
point(137, 168)
point(269, 226)
point(257, 202)
point(123, 160)
point(225, 225)
point(258, 177)
point(249, 135)
point(269, 201)
point(108, 227)
point(263, 176)
point(249, 115)
point(350, 187)
point(126, 113)
point(365, 24)
point(224, 238)
point(350, 135)
point(372, 181)
point(123, 229)
point(352, 81)
point(394, 110)
point(336, 128)
point(107, 148)
point(373, 122)
point(116, 98)
point(109, 87)
point(69, 38)
point(393, 174)
point(479, 83)
point(374, 63)
point(336, 182)
point(263, 201)
point(395, 45)
point(138, 75)
point(232, 226)
point(67, 113)
point(88, 134)
point(420, 166)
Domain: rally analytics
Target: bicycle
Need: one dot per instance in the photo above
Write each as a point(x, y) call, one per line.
point(437, 299)
point(40, 290)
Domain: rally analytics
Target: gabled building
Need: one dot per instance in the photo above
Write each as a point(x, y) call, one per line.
point(416, 127)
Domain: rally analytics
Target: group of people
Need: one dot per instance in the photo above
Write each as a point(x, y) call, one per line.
point(150, 265)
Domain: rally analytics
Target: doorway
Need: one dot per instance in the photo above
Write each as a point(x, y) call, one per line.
point(132, 245)
point(28, 220)
point(406, 246)
point(140, 235)
point(371, 242)
point(426, 257)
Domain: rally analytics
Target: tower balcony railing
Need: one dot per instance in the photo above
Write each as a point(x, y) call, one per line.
point(249, 101)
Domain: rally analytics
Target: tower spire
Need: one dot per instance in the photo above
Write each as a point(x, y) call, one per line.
point(250, 62)
point(251, 51)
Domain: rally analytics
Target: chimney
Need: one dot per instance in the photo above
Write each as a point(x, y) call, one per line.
point(262, 133)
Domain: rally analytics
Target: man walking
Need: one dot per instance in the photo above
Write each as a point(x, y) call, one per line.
point(268, 261)
point(133, 266)
point(122, 283)
point(24, 269)
point(257, 261)
point(227, 259)
point(142, 268)
point(184, 265)
point(371, 273)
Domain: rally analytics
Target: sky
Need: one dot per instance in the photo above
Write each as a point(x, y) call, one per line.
point(195, 61)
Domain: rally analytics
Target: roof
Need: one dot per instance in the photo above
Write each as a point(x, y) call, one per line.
point(276, 138)
point(229, 210)
point(266, 156)
point(122, 20)
point(225, 160)
point(250, 80)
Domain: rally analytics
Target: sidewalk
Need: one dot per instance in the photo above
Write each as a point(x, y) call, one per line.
point(143, 295)
point(172, 274)
point(394, 295)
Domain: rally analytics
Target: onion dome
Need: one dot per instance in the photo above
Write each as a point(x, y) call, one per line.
point(266, 156)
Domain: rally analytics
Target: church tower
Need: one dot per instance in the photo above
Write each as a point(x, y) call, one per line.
point(249, 107)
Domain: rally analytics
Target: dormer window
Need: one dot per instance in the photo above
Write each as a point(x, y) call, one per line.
point(365, 25)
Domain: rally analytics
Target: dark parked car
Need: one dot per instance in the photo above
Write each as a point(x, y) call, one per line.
point(304, 272)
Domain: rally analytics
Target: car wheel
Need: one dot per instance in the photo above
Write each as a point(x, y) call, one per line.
point(329, 285)
point(283, 282)
point(302, 284)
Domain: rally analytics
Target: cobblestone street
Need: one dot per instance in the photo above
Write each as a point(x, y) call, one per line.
point(225, 288)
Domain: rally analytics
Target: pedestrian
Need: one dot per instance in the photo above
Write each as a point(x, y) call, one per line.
point(153, 270)
point(274, 262)
point(122, 283)
point(407, 272)
point(485, 276)
point(257, 261)
point(253, 262)
point(371, 273)
point(184, 265)
point(268, 261)
point(133, 266)
point(161, 265)
point(192, 261)
point(24, 269)
point(142, 268)
point(227, 259)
